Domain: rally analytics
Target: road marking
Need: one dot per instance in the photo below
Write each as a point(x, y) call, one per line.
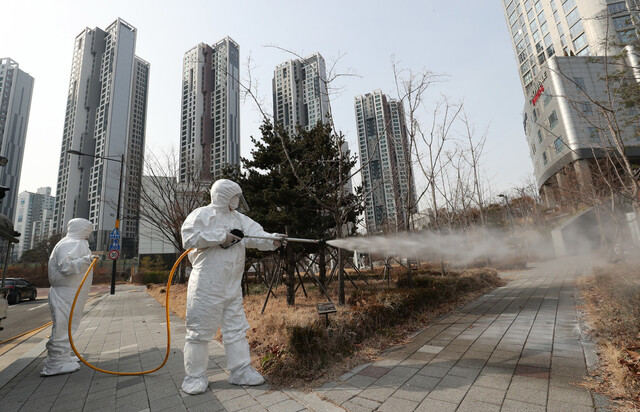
point(39, 306)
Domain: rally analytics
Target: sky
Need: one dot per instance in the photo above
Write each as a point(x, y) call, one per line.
point(465, 39)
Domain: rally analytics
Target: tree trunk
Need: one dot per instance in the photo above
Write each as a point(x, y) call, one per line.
point(322, 267)
point(341, 299)
point(291, 282)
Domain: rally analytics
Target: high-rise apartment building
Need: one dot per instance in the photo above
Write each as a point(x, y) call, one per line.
point(560, 48)
point(387, 177)
point(300, 93)
point(16, 88)
point(34, 215)
point(210, 118)
point(105, 119)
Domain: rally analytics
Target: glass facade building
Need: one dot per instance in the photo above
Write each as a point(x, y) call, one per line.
point(387, 177)
point(106, 117)
point(565, 49)
point(16, 88)
point(210, 116)
point(300, 93)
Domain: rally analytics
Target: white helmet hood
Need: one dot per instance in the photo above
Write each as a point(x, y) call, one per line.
point(222, 191)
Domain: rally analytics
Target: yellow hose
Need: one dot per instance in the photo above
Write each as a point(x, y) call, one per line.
point(166, 357)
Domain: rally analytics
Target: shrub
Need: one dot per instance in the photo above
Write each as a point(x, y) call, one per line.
point(146, 277)
point(613, 304)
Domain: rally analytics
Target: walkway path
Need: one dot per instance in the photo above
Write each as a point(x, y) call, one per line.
point(517, 349)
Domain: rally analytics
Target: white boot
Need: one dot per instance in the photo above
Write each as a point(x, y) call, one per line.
point(246, 376)
point(196, 358)
point(67, 367)
point(195, 385)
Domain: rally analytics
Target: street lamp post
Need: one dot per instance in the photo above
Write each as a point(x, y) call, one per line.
point(117, 225)
point(506, 200)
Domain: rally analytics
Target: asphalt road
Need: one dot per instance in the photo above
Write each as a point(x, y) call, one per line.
point(30, 314)
point(26, 315)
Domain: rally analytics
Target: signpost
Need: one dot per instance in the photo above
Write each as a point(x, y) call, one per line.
point(115, 234)
point(326, 309)
point(115, 245)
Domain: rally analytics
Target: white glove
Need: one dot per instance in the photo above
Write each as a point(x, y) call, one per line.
point(280, 242)
point(229, 240)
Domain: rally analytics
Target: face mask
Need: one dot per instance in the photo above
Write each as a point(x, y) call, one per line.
point(234, 202)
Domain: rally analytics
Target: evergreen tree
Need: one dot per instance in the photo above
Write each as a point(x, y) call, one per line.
point(297, 185)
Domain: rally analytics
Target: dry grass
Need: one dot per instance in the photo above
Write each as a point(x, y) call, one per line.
point(612, 303)
point(270, 333)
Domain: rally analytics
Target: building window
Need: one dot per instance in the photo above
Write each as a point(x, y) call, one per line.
point(553, 120)
point(622, 22)
point(584, 52)
point(559, 144)
point(594, 135)
point(618, 7)
point(573, 17)
point(579, 81)
point(541, 58)
point(580, 42)
point(539, 136)
point(576, 29)
point(545, 159)
point(586, 108)
point(568, 5)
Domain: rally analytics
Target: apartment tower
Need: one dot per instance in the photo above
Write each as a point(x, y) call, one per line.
point(16, 88)
point(300, 93)
point(105, 120)
point(560, 48)
point(210, 118)
point(387, 178)
point(34, 215)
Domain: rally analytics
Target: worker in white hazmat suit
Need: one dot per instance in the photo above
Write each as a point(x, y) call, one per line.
point(214, 294)
point(68, 264)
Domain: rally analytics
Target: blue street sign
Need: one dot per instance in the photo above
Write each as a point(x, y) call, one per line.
point(115, 245)
point(115, 234)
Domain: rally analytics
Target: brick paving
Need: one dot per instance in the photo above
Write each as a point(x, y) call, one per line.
point(518, 348)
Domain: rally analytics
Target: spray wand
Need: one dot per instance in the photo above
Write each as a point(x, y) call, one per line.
point(285, 238)
point(239, 234)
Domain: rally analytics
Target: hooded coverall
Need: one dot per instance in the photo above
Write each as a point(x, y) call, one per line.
point(214, 294)
point(68, 263)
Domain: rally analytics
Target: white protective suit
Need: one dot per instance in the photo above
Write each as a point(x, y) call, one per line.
point(68, 263)
point(214, 294)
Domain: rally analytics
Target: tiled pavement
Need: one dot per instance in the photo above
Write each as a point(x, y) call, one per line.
point(516, 349)
point(519, 348)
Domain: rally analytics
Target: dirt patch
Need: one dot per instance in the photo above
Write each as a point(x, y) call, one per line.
point(612, 305)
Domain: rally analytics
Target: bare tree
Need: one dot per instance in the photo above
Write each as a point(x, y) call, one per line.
point(164, 201)
point(443, 118)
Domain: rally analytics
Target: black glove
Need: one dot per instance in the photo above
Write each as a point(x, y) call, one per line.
point(233, 236)
point(237, 232)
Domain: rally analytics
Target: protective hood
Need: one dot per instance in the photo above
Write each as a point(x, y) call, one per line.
point(222, 191)
point(79, 228)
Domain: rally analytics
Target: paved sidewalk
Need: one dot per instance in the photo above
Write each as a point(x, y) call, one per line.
point(518, 348)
